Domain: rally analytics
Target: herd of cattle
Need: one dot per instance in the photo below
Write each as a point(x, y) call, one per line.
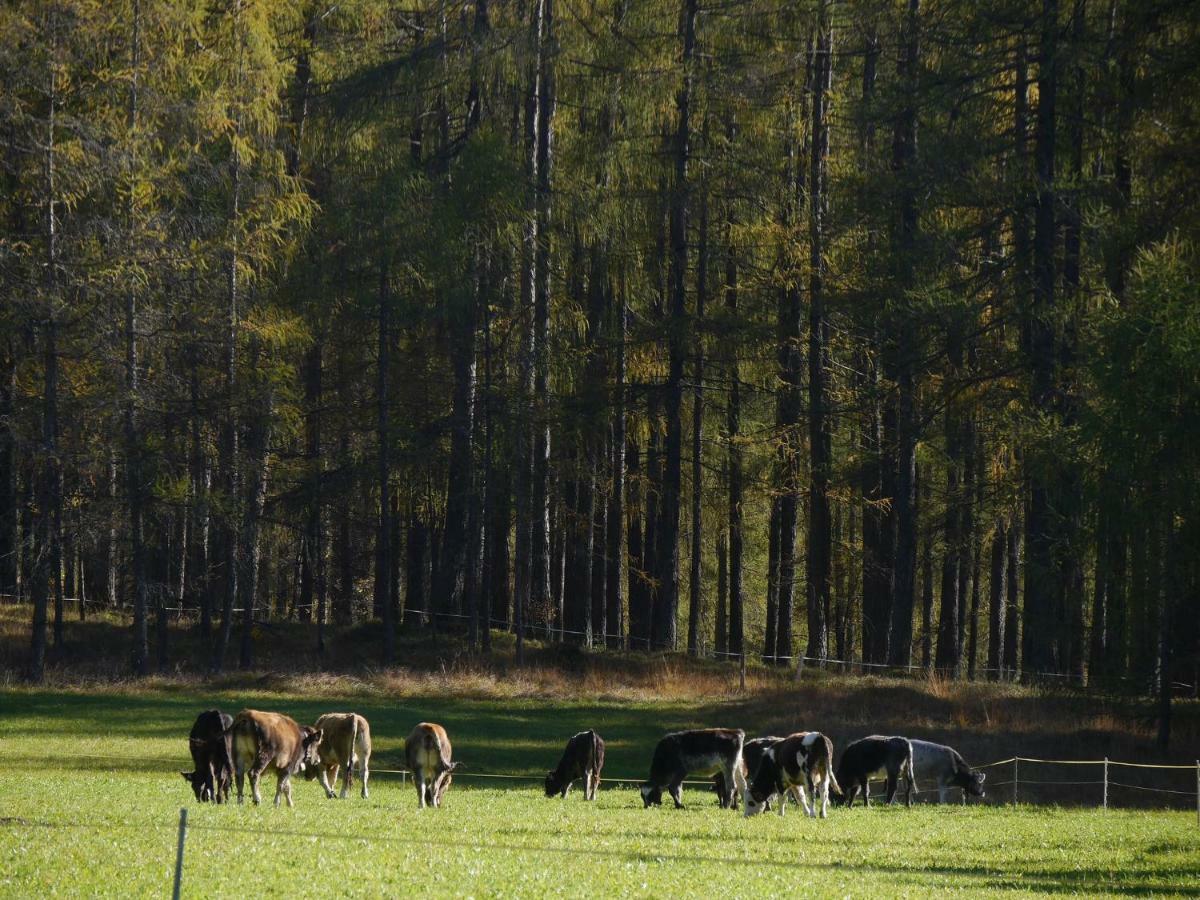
point(762, 771)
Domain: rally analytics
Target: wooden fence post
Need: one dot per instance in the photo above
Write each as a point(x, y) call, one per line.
point(1106, 782)
point(179, 853)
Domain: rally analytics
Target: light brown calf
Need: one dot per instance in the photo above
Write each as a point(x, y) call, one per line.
point(266, 740)
point(345, 740)
point(427, 751)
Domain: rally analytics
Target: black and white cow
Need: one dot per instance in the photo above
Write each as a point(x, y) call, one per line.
point(752, 754)
point(872, 757)
point(801, 760)
point(701, 752)
point(582, 758)
point(946, 768)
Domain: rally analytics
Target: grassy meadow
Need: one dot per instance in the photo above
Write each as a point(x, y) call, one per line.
point(90, 797)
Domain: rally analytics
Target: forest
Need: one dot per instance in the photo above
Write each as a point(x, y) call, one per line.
point(830, 332)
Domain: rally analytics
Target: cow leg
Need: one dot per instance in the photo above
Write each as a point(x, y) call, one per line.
point(892, 783)
point(285, 785)
point(824, 790)
point(675, 789)
point(241, 778)
point(254, 794)
point(866, 789)
point(327, 775)
point(419, 781)
point(941, 792)
point(595, 784)
point(363, 774)
point(804, 802)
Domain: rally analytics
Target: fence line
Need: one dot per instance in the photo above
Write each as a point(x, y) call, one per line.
point(1015, 782)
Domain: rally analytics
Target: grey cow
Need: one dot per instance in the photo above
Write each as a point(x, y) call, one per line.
point(946, 768)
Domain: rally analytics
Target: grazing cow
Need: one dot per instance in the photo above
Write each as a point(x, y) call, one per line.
point(801, 760)
point(266, 740)
point(428, 753)
point(345, 740)
point(947, 769)
point(583, 758)
point(702, 752)
point(752, 754)
point(212, 757)
point(871, 757)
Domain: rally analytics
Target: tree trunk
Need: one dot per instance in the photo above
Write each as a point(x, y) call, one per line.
point(540, 590)
point(904, 160)
point(1043, 580)
point(695, 594)
point(996, 618)
point(771, 633)
point(733, 414)
point(666, 608)
point(383, 535)
point(721, 631)
point(1012, 608)
point(639, 595)
point(258, 442)
point(614, 626)
point(820, 542)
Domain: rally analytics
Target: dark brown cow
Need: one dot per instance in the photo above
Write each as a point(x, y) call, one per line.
point(427, 751)
point(801, 760)
point(583, 758)
point(212, 757)
point(345, 740)
point(266, 740)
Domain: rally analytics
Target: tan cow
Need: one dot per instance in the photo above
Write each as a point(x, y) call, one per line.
point(266, 740)
point(345, 740)
point(427, 751)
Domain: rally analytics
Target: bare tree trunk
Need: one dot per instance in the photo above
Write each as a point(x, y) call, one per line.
point(820, 542)
point(696, 559)
point(666, 608)
point(733, 414)
point(721, 631)
point(258, 442)
point(1043, 580)
point(615, 597)
point(904, 159)
point(383, 534)
point(996, 618)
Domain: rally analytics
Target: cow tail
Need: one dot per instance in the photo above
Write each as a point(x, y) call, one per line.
point(829, 776)
point(437, 742)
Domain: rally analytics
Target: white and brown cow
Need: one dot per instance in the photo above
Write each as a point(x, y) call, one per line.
point(582, 758)
point(345, 741)
point(704, 751)
point(267, 740)
point(427, 751)
point(801, 760)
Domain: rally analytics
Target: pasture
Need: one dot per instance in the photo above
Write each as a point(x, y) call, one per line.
point(89, 801)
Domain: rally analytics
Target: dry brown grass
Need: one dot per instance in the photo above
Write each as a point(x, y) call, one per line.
point(974, 716)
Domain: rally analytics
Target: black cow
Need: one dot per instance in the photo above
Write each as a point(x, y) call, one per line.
point(801, 760)
point(947, 768)
point(212, 757)
point(702, 752)
point(583, 758)
point(871, 757)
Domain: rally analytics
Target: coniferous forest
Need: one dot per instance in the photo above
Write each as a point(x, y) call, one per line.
point(826, 333)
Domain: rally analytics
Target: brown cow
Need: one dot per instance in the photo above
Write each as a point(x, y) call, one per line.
point(345, 740)
point(266, 740)
point(427, 751)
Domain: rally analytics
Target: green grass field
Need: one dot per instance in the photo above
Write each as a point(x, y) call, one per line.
point(89, 803)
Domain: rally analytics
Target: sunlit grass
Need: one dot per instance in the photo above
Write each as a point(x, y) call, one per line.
point(90, 798)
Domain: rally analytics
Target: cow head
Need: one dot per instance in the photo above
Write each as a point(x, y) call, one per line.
point(974, 785)
point(651, 795)
point(310, 760)
point(553, 784)
point(201, 784)
point(442, 783)
point(767, 782)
